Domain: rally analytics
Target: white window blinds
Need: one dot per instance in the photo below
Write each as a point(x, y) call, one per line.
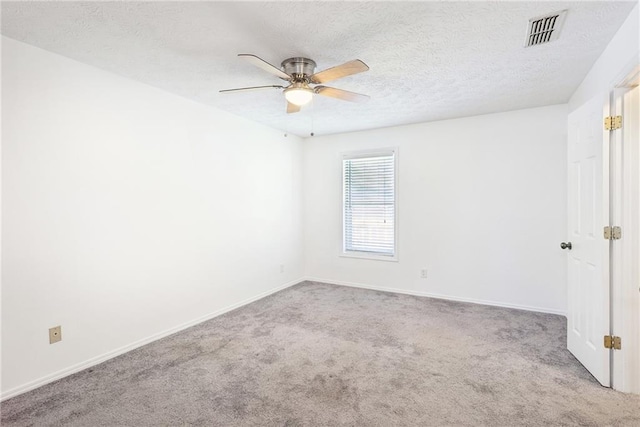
point(369, 203)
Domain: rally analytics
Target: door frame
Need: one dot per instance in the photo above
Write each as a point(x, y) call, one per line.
point(625, 254)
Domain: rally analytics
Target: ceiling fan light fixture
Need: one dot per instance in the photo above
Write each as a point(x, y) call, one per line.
point(298, 94)
point(300, 72)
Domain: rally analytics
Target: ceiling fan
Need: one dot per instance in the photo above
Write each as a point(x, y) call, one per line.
point(299, 72)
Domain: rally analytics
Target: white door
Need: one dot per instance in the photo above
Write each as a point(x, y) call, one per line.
point(588, 258)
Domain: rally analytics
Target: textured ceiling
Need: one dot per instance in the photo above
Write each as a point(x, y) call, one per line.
point(428, 60)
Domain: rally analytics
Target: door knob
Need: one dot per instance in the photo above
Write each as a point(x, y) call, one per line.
point(564, 245)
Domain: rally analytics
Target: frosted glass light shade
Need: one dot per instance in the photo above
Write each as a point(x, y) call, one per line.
point(298, 95)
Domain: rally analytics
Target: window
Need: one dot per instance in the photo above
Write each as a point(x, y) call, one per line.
point(369, 204)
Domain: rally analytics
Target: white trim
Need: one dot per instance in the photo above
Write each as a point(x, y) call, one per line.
point(369, 153)
point(117, 352)
point(616, 252)
point(110, 355)
point(438, 296)
point(633, 79)
point(370, 256)
point(626, 73)
point(625, 300)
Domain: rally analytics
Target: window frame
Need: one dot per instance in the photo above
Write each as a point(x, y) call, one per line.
point(347, 155)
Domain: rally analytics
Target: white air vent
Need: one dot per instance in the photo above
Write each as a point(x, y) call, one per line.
point(544, 29)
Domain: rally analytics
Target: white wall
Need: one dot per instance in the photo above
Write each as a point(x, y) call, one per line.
point(482, 206)
point(129, 212)
point(620, 56)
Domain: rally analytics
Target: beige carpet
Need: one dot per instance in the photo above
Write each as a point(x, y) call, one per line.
point(323, 355)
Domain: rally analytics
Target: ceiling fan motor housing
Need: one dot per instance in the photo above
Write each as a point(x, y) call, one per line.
point(300, 68)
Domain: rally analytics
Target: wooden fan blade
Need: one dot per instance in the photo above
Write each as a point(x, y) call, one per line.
point(247, 89)
point(345, 95)
point(261, 63)
point(348, 68)
point(292, 108)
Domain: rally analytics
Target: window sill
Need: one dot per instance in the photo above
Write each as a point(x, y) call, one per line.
point(366, 255)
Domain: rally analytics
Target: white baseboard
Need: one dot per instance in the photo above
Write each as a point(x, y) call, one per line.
point(111, 354)
point(438, 296)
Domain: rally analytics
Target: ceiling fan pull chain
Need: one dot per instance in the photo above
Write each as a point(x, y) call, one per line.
point(312, 118)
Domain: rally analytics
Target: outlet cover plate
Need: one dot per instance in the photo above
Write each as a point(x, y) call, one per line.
point(55, 334)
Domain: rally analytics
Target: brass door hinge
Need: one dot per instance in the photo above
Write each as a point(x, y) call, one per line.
point(612, 122)
point(612, 233)
point(614, 343)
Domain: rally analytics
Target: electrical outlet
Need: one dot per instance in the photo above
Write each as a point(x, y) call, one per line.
point(55, 334)
point(423, 274)
point(281, 268)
